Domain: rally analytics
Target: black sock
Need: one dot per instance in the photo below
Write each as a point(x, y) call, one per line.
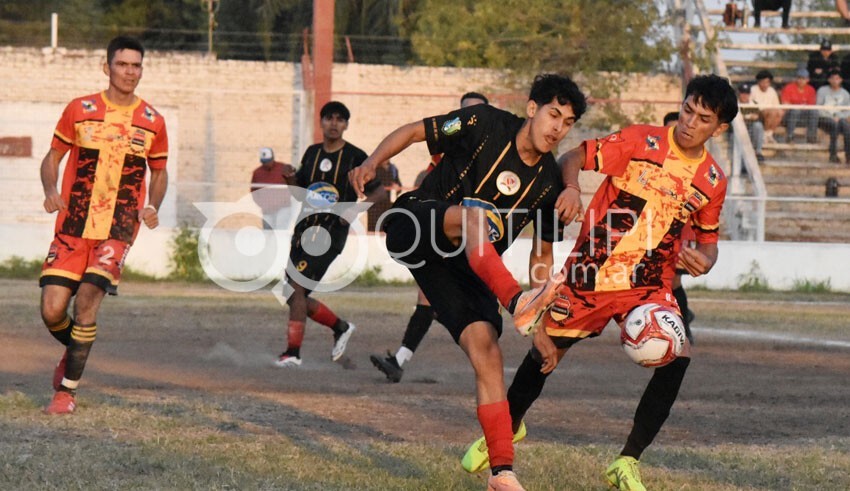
point(340, 327)
point(499, 468)
point(62, 331)
point(417, 326)
point(82, 339)
point(654, 406)
point(512, 306)
point(526, 386)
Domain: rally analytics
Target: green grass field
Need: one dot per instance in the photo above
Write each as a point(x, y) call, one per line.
point(179, 394)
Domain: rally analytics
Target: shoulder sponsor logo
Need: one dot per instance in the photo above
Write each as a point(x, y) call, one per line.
point(495, 226)
point(613, 138)
point(301, 266)
point(321, 195)
point(149, 114)
point(652, 142)
point(451, 127)
point(712, 175)
point(89, 106)
point(508, 183)
point(325, 165)
point(472, 120)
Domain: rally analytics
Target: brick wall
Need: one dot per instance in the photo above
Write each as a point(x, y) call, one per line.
point(220, 112)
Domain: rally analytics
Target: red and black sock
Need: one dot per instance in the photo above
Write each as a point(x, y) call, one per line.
point(294, 338)
point(488, 265)
point(62, 331)
point(495, 419)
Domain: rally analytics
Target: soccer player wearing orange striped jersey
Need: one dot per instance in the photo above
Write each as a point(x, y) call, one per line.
point(112, 139)
point(629, 247)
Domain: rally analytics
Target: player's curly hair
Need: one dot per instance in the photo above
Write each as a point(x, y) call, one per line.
point(123, 42)
point(715, 93)
point(548, 86)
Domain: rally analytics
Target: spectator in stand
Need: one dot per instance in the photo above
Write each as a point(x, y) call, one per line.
point(800, 92)
point(755, 127)
point(835, 120)
point(821, 63)
point(759, 5)
point(274, 202)
point(764, 95)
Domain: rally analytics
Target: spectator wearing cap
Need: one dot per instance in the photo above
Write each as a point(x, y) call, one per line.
point(755, 127)
point(821, 63)
point(765, 96)
point(835, 120)
point(272, 200)
point(800, 92)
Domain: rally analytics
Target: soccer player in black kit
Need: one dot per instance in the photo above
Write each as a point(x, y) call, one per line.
point(497, 176)
point(323, 172)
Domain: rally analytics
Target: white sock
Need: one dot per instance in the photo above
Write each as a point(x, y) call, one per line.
point(403, 355)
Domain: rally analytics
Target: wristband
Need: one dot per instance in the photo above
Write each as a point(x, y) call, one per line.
point(574, 186)
point(152, 207)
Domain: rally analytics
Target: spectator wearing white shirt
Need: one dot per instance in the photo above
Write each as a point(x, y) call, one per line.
point(835, 120)
point(763, 94)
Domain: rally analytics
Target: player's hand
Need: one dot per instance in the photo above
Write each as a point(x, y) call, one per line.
point(360, 175)
point(149, 216)
point(693, 261)
point(543, 343)
point(53, 202)
point(568, 206)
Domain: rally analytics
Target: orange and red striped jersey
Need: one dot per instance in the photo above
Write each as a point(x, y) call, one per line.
point(104, 181)
point(632, 230)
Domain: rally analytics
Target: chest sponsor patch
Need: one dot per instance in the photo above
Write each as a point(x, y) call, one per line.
point(325, 165)
point(693, 203)
point(495, 226)
point(451, 127)
point(560, 310)
point(138, 141)
point(322, 195)
point(508, 183)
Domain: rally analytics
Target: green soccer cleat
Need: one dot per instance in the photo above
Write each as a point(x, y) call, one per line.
point(624, 474)
point(476, 458)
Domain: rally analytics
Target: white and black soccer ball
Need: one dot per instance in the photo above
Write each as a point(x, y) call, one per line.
point(653, 335)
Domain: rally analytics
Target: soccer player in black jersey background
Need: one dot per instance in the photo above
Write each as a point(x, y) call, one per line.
point(497, 175)
point(323, 172)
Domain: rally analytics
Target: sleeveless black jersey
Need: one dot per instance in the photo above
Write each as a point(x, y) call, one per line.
point(482, 168)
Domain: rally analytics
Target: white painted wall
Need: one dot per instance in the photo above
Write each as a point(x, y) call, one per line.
point(780, 263)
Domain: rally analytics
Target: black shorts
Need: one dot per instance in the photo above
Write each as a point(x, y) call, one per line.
point(305, 267)
point(459, 297)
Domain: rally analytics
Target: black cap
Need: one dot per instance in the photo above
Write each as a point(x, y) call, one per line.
point(826, 45)
point(744, 88)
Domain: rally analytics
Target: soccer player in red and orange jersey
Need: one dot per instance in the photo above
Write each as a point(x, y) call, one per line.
point(114, 137)
point(628, 249)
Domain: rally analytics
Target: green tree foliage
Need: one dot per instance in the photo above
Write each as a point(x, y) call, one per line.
point(572, 36)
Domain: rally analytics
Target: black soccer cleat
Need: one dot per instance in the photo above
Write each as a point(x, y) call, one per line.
point(389, 367)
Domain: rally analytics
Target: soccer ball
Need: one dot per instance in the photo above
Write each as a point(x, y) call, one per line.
point(652, 335)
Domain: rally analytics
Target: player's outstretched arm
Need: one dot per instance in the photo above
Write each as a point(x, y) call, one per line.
point(390, 146)
point(159, 183)
point(568, 203)
point(49, 179)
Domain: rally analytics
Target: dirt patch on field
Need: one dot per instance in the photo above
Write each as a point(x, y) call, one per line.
point(201, 342)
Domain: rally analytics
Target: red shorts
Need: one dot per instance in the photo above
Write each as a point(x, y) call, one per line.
point(74, 260)
point(580, 314)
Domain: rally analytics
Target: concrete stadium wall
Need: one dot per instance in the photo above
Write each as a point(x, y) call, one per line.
point(248, 254)
point(220, 112)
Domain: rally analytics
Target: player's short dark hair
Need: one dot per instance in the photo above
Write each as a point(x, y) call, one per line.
point(473, 95)
point(763, 74)
point(670, 117)
point(549, 86)
point(715, 93)
point(335, 107)
point(123, 42)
